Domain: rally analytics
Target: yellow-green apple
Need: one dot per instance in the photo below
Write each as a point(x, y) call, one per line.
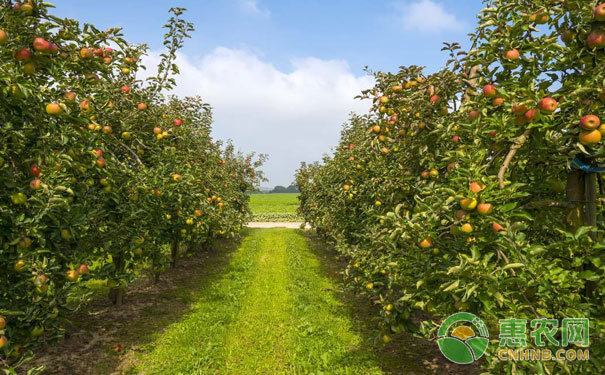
point(426, 243)
point(590, 137)
point(86, 53)
point(466, 228)
point(53, 109)
point(20, 265)
point(468, 204)
point(72, 275)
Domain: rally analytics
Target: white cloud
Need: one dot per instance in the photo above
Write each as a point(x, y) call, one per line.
point(252, 7)
point(291, 116)
point(427, 16)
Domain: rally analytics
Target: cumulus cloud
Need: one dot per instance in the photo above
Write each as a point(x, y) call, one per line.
point(292, 116)
point(427, 16)
point(252, 7)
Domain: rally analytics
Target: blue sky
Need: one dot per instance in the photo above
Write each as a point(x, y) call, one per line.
point(281, 75)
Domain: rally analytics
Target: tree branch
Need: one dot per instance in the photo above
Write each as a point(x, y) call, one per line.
point(548, 203)
point(513, 150)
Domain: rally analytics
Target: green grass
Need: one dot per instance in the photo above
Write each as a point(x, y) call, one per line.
point(273, 312)
point(274, 207)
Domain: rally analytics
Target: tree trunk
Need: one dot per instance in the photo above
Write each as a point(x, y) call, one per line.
point(116, 295)
point(582, 192)
point(175, 249)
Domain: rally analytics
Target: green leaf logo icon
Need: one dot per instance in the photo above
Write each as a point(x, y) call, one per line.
point(460, 343)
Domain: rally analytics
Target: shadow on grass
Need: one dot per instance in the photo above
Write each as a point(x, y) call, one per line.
point(405, 354)
point(102, 339)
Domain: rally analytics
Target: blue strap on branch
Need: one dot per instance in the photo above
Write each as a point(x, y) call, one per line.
point(576, 163)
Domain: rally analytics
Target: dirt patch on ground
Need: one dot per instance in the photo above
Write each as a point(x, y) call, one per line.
point(102, 338)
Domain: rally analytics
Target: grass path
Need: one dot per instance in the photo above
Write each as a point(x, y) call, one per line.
point(273, 312)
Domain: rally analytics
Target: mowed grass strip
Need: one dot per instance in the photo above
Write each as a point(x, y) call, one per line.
point(258, 342)
point(195, 345)
point(273, 312)
point(325, 339)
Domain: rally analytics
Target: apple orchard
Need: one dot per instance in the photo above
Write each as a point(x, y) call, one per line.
point(100, 173)
point(477, 188)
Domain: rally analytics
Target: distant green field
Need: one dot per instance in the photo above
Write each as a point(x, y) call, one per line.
point(274, 207)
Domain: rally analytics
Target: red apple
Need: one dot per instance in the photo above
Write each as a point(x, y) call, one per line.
point(142, 106)
point(484, 208)
point(476, 187)
point(590, 122)
point(84, 106)
point(35, 184)
point(498, 102)
point(69, 97)
point(86, 53)
point(497, 227)
point(531, 115)
point(519, 109)
point(101, 162)
point(41, 45)
point(489, 90)
point(23, 54)
point(125, 89)
point(434, 99)
point(548, 105)
point(473, 115)
point(178, 122)
point(567, 36)
point(455, 139)
point(512, 54)
point(596, 39)
point(599, 13)
point(83, 269)
point(3, 37)
point(35, 170)
point(425, 174)
point(157, 130)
